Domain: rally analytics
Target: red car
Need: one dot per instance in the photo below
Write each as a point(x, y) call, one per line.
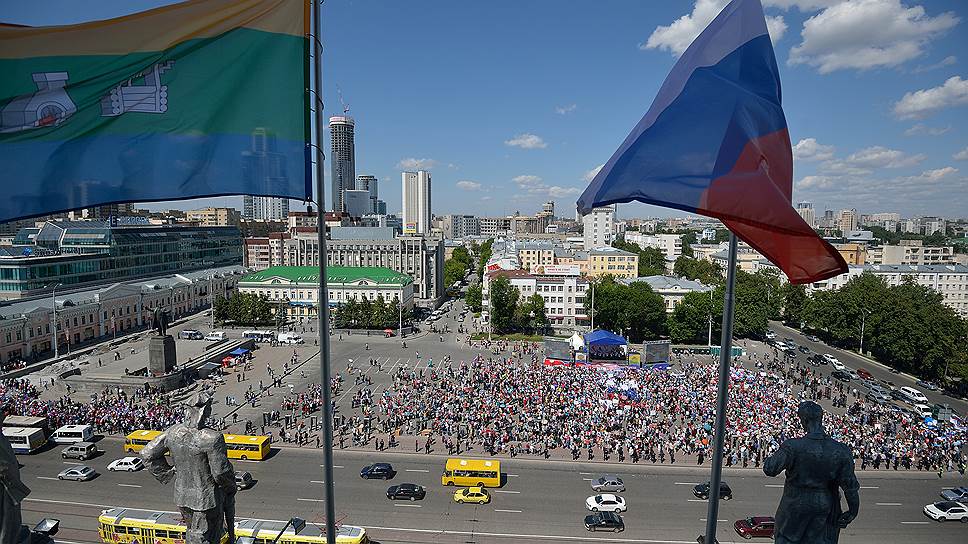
point(865, 374)
point(761, 526)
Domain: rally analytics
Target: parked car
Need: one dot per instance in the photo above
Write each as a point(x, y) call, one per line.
point(608, 482)
point(757, 526)
point(877, 397)
point(80, 450)
point(216, 336)
point(830, 358)
point(477, 495)
point(127, 464)
point(701, 491)
point(922, 410)
point(606, 502)
point(803, 349)
point(837, 365)
point(605, 521)
point(947, 511)
point(243, 479)
point(79, 473)
point(377, 471)
point(930, 386)
point(912, 395)
point(812, 338)
point(191, 334)
point(411, 492)
point(841, 375)
point(863, 373)
point(959, 494)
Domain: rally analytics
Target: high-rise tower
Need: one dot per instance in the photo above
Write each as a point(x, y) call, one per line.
point(342, 158)
point(416, 202)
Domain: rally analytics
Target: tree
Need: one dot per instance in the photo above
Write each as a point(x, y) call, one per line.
point(689, 321)
point(454, 272)
point(753, 305)
point(651, 259)
point(634, 310)
point(794, 303)
point(504, 301)
point(483, 256)
point(705, 272)
point(530, 314)
point(473, 297)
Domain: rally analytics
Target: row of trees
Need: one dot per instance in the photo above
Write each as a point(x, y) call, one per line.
point(651, 259)
point(635, 310)
point(456, 267)
point(243, 309)
point(511, 313)
point(371, 314)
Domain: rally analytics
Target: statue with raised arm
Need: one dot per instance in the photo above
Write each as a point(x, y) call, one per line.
point(817, 468)
point(12, 491)
point(204, 477)
point(159, 321)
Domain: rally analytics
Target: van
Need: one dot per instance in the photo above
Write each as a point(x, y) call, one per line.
point(913, 396)
point(81, 450)
point(72, 434)
point(190, 334)
point(290, 338)
point(216, 336)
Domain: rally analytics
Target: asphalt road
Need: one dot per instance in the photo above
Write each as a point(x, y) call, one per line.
point(542, 501)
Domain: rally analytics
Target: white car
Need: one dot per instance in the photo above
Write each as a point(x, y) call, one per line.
point(830, 358)
point(922, 410)
point(837, 365)
point(947, 511)
point(128, 464)
point(606, 502)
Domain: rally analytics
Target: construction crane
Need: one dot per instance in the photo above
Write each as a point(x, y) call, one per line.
point(346, 107)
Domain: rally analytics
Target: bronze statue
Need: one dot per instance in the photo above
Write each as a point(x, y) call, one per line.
point(204, 477)
point(159, 321)
point(12, 491)
point(816, 466)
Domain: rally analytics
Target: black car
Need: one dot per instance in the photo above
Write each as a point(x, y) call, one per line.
point(377, 471)
point(841, 375)
point(804, 349)
point(411, 492)
point(243, 479)
point(818, 359)
point(701, 491)
point(605, 521)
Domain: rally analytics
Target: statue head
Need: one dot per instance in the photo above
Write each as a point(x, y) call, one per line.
point(198, 409)
point(811, 416)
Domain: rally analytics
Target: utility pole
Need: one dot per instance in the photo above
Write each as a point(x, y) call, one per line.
point(53, 308)
point(863, 319)
point(592, 311)
point(709, 341)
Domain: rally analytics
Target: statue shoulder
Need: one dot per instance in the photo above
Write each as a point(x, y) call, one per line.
point(211, 436)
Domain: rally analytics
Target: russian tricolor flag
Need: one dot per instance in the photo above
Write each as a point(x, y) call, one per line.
point(715, 142)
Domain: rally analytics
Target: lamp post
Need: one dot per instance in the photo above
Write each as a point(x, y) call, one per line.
point(53, 308)
point(709, 340)
point(863, 319)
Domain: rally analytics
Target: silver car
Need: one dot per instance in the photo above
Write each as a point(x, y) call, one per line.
point(80, 473)
point(608, 482)
point(959, 494)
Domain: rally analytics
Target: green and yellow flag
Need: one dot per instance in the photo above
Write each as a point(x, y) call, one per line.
point(201, 98)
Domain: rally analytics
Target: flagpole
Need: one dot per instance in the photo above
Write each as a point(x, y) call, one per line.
point(322, 298)
point(725, 353)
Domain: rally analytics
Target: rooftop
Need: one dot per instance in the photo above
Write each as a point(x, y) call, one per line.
point(669, 283)
point(334, 274)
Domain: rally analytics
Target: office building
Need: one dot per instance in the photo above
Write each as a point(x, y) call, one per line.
point(342, 158)
point(806, 211)
point(294, 289)
point(455, 227)
point(609, 260)
point(672, 289)
point(911, 252)
point(599, 225)
point(214, 217)
point(264, 208)
point(669, 244)
point(563, 294)
point(416, 202)
point(372, 185)
point(847, 220)
point(357, 203)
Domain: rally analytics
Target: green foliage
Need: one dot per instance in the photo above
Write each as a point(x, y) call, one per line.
point(244, 309)
point(758, 299)
point(722, 235)
point(794, 302)
point(651, 259)
point(884, 235)
point(473, 297)
point(530, 315)
point(504, 300)
point(634, 310)
point(366, 314)
point(688, 239)
point(483, 254)
point(457, 266)
point(689, 321)
point(705, 272)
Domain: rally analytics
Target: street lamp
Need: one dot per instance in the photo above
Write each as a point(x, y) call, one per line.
point(53, 307)
point(863, 318)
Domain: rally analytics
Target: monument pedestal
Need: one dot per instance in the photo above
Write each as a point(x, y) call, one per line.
point(161, 355)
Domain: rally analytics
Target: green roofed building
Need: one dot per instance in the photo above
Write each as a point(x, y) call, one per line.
point(295, 287)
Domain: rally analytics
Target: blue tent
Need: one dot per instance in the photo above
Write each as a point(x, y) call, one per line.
point(604, 338)
point(239, 351)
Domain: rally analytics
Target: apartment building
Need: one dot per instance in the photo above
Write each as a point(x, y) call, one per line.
point(950, 280)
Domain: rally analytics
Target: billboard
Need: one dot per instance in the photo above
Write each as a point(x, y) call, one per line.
point(559, 269)
point(656, 351)
point(410, 228)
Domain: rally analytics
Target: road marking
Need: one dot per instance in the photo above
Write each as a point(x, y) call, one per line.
point(686, 483)
point(323, 466)
point(71, 463)
point(312, 500)
point(46, 477)
point(503, 491)
point(317, 482)
point(587, 479)
point(915, 522)
point(586, 473)
point(887, 503)
point(509, 511)
point(870, 487)
point(512, 475)
point(697, 500)
point(718, 520)
point(416, 470)
point(402, 505)
point(526, 536)
point(772, 485)
point(129, 485)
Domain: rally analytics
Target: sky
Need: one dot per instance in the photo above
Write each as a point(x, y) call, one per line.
point(510, 104)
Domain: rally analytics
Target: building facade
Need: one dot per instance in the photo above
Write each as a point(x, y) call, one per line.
point(294, 289)
point(459, 226)
point(214, 217)
point(342, 158)
point(357, 203)
point(564, 296)
point(672, 289)
point(806, 211)
point(264, 208)
point(416, 202)
point(911, 252)
point(599, 225)
point(950, 280)
point(669, 244)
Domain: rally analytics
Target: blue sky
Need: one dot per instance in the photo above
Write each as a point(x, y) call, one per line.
point(512, 103)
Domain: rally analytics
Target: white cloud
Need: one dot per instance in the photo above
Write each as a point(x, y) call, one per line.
point(865, 34)
point(564, 110)
point(468, 185)
point(526, 141)
point(924, 130)
point(526, 180)
point(816, 182)
point(590, 175)
point(808, 149)
point(416, 164)
point(534, 185)
point(936, 174)
point(677, 36)
point(961, 155)
point(881, 157)
point(560, 192)
point(802, 5)
point(947, 61)
point(924, 102)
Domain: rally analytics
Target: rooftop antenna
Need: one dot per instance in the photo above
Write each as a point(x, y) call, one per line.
point(346, 107)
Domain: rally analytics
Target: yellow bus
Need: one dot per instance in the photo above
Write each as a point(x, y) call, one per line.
point(265, 531)
point(137, 440)
point(246, 447)
point(240, 446)
point(472, 472)
point(130, 526)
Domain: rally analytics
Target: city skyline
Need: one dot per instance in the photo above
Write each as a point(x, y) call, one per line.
point(887, 135)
